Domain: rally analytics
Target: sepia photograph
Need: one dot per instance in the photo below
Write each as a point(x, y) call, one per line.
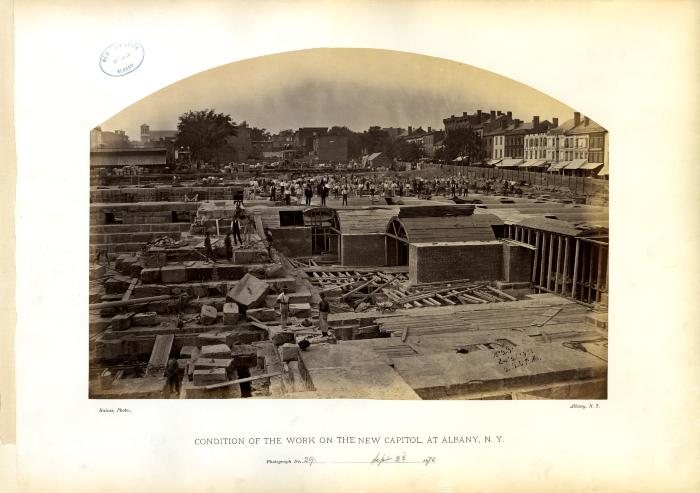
point(339, 223)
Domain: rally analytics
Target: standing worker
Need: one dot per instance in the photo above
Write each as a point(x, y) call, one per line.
point(283, 300)
point(323, 310)
point(269, 240)
point(172, 371)
point(345, 194)
point(236, 231)
point(208, 251)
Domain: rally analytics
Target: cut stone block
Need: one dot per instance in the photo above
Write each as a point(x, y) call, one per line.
point(249, 256)
point(244, 355)
point(274, 271)
point(230, 314)
point(208, 315)
point(143, 319)
point(289, 352)
point(173, 274)
point(155, 260)
point(301, 310)
point(211, 339)
point(249, 292)
point(190, 352)
point(282, 338)
point(216, 351)
point(97, 271)
point(115, 286)
point(122, 321)
point(109, 349)
point(263, 314)
point(150, 275)
point(207, 377)
point(159, 306)
point(210, 363)
point(245, 336)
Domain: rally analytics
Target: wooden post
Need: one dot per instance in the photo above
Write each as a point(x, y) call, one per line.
point(566, 265)
point(549, 261)
point(537, 253)
point(590, 272)
point(599, 274)
point(556, 276)
point(575, 273)
point(544, 250)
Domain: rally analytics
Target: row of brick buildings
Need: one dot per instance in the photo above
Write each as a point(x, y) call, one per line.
point(577, 143)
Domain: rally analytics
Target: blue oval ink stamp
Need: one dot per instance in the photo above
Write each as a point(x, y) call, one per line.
point(121, 58)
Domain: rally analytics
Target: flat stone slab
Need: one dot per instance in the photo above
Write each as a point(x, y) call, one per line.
point(249, 292)
point(215, 351)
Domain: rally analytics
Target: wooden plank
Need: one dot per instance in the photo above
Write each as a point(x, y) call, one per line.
point(364, 284)
point(130, 290)
point(404, 334)
point(159, 355)
point(241, 380)
point(501, 293)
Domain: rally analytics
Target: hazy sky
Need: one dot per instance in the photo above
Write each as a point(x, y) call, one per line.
point(351, 87)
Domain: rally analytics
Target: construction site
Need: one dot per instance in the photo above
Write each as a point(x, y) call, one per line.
point(494, 298)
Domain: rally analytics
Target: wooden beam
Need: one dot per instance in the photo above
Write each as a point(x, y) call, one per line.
point(544, 249)
point(242, 380)
point(549, 261)
point(537, 253)
point(566, 264)
point(364, 284)
point(558, 271)
point(599, 274)
point(134, 301)
point(575, 273)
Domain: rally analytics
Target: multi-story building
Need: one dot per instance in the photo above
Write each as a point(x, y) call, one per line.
point(394, 132)
point(283, 140)
point(331, 148)
point(304, 137)
point(535, 139)
point(156, 137)
point(480, 122)
point(102, 139)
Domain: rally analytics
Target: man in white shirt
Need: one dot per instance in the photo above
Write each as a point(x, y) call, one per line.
point(283, 300)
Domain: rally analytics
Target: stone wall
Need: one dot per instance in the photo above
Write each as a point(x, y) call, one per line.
point(473, 260)
point(363, 250)
point(292, 241)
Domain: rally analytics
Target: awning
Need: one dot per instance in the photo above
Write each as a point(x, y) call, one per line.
point(605, 171)
point(509, 163)
point(558, 166)
point(533, 163)
point(576, 164)
point(591, 166)
point(493, 162)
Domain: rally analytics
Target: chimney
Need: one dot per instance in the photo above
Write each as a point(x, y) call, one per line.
point(493, 115)
point(509, 115)
point(410, 130)
point(586, 120)
point(577, 118)
point(499, 112)
point(430, 129)
point(535, 122)
point(478, 115)
point(464, 113)
point(555, 122)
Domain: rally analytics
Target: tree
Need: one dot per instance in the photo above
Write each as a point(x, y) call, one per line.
point(204, 132)
point(407, 151)
point(354, 140)
point(259, 134)
point(464, 142)
point(375, 140)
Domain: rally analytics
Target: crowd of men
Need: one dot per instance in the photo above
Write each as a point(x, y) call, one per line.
point(348, 186)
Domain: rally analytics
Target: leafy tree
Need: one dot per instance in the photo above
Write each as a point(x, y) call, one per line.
point(259, 134)
point(464, 142)
point(407, 151)
point(354, 140)
point(375, 140)
point(204, 132)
